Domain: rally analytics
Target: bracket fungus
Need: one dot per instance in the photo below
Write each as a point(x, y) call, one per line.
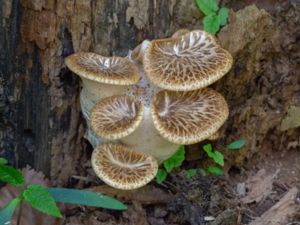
point(122, 167)
point(188, 62)
point(101, 77)
point(150, 103)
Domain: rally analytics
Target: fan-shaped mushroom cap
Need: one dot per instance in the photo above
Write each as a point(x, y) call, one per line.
point(116, 116)
point(214, 136)
point(108, 70)
point(123, 168)
point(189, 62)
point(188, 117)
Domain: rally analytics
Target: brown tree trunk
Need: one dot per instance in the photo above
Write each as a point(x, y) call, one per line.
point(41, 124)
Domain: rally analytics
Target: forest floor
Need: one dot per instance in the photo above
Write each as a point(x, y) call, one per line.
point(265, 193)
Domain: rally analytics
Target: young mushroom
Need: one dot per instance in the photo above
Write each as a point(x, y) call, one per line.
point(165, 104)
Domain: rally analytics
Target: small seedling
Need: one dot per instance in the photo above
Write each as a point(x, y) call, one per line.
point(218, 157)
point(214, 17)
point(44, 199)
point(214, 154)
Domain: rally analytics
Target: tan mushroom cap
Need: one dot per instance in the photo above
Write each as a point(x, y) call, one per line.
point(123, 168)
point(108, 70)
point(116, 116)
point(214, 136)
point(189, 62)
point(188, 117)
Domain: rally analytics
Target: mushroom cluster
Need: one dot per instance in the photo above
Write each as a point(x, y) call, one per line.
point(140, 108)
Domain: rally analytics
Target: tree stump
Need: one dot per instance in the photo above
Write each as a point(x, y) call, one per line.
point(41, 124)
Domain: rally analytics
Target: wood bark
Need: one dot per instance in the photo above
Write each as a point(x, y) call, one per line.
point(41, 124)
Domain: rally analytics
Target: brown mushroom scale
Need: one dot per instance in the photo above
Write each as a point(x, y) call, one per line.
point(188, 117)
point(117, 116)
point(185, 63)
point(123, 168)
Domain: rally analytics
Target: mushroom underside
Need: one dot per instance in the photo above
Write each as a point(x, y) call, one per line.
point(123, 168)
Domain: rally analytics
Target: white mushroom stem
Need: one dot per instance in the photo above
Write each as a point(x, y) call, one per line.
point(146, 139)
point(96, 90)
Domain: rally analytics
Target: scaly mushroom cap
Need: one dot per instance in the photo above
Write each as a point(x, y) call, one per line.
point(123, 168)
point(189, 62)
point(188, 117)
point(108, 70)
point(116, 116)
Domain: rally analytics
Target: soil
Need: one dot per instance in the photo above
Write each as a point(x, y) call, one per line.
point(261, 182)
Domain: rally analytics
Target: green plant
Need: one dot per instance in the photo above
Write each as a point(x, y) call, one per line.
point(214, 17)
point(218, 157)
point(168, 165)
point(44, 199)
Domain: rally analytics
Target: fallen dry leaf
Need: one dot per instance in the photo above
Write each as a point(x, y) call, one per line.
point(259, 186)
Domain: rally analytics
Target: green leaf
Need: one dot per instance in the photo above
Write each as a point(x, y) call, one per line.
point(11, 175)
point(223, 15)
point(208, 7)
point(211, 23)
point(218, 158)
point(208, 149)
point(87, 198)
point(3, 161)
point(161, 176)
point(215, 170)
point(215, 155)
point(175, 160)
point(190, 173)
point(236, 144)
point(8, 211)
point(40, 199)
point(202, 172)
point(169, 165)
